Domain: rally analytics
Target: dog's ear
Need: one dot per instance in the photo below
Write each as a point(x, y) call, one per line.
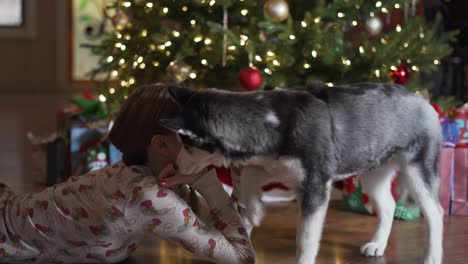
point(173, 124)
point(180, 95)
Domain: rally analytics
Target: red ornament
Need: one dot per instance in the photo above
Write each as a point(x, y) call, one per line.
point(250, 79)
point(400, 75)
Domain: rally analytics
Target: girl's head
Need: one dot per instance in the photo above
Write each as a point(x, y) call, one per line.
point(137, 132)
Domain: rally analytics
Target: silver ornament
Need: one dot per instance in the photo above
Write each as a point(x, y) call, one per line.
point(374, 25)
point(276, 10)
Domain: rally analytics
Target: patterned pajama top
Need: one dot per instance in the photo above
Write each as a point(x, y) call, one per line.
point(102, 217)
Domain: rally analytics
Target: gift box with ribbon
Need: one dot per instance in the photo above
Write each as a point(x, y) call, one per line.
point(460, 182)
point(356, 200)
point(446, 169)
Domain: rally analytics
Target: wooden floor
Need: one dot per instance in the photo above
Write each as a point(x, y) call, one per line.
point(274, 241)
point(344, 233)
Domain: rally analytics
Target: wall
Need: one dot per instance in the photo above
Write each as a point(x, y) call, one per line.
point(29, 64)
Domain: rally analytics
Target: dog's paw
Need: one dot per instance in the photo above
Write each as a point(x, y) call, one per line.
point(373, 249)
point(432, 259)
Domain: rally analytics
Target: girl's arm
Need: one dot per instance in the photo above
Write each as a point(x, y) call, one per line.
point(221, 238)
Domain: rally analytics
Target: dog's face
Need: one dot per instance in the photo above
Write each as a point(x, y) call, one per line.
point(200, 149)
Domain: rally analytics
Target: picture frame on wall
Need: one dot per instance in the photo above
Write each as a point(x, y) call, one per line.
point(18, 19)
point(87, 22)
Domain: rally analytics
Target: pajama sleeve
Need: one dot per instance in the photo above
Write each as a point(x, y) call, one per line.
point(220, 238)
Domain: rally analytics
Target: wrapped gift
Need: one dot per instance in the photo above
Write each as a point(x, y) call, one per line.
point(451, 133)
point(90, 148)
point(460, 182)
point(58, 169)
point(446, 168)
point(48, 166)
point(356, 200)
point(462, 122)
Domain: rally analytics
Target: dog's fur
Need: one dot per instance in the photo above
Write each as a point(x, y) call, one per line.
point(317, 135)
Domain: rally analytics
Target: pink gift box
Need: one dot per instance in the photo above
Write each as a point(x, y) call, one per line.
point(446, 164)
point(460, 182)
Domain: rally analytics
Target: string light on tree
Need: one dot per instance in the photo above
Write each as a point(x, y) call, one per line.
point(361, 49)
point(398, 28)
point(314, 54)
point(377, 73)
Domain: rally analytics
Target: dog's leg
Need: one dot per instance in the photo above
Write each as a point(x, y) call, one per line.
point(313, 204)
point(423, 180)
point(377, 184)
point(252, 178)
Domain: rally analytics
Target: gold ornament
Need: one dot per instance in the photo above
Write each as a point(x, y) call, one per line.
point(374, 26)
point(178, 71)
point(276, 10)
point(121, 21)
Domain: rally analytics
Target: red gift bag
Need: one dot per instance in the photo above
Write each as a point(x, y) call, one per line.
point(460, 182)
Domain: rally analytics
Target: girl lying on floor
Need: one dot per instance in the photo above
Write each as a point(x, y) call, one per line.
point(102, 216)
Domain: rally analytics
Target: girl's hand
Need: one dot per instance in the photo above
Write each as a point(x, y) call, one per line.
point(168, 177)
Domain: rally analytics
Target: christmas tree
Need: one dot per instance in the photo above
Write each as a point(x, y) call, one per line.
point(264, 44)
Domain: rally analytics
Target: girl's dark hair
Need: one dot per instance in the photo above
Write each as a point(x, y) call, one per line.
point(138, 121)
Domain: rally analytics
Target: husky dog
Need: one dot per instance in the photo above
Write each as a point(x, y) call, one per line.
point(317, 136)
